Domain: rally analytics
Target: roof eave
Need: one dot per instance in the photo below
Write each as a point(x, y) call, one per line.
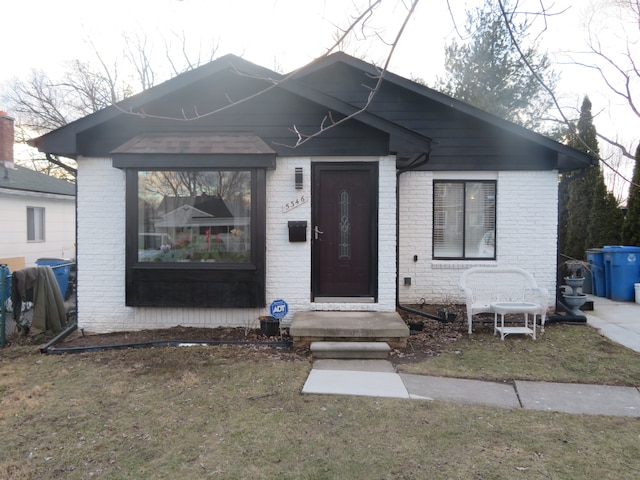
point(62, 141)
point(565, 153)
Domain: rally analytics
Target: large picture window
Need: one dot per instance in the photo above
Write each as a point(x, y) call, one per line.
point(464, 219)
point(195, 237)
point(194, 216)
point(195, 219)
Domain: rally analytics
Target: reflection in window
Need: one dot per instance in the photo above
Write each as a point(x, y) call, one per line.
point(345, 225)
point(194, 216)
point(464, 219)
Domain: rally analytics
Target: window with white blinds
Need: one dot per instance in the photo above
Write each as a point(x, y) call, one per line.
point(464, 219)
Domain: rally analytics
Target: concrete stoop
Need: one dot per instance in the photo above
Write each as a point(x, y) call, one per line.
point(328, 326)
point(350, 350)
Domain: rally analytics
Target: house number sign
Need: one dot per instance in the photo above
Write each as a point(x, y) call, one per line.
point(301, 200)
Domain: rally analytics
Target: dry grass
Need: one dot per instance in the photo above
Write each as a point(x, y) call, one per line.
point(237, 413)
point(564, 353)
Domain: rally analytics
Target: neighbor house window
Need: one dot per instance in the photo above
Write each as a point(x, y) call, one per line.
point(194, 216)
point(464, 219)
point(35, 224)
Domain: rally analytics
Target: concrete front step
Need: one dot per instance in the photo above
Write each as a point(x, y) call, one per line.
point(331, 326)
point(350, 350)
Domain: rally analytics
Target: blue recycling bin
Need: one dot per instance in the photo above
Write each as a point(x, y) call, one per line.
point(595, 258)
point(61, 269)
point(622, 270)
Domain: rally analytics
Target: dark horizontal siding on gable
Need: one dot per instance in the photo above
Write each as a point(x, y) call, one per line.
point(272, 116)
point(460, 141)
point(404, 117)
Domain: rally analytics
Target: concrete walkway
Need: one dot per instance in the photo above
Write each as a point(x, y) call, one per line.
point(619, 321)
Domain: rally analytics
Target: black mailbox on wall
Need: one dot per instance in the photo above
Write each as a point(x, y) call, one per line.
point(298, 231)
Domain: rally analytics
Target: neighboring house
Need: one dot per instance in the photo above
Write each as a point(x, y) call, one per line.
point(187, 228)
point(390, 206)
point(37, 212)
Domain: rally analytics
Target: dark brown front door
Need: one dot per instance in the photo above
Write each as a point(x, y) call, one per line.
point(344, 231)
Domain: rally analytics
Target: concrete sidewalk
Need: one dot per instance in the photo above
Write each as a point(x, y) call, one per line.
point(619, 321)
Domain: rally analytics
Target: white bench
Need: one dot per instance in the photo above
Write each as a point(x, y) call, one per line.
point(483, 286)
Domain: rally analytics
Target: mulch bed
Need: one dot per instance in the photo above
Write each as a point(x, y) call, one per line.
point(429, 337)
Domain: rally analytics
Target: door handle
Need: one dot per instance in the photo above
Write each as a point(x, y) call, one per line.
point(316, 232)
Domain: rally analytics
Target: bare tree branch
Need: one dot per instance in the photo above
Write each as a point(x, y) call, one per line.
point(328, 121)
point(551, 93)
point(139, 53)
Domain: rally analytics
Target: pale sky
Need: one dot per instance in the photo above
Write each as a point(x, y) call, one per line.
point(279, 34)
point(282, 33)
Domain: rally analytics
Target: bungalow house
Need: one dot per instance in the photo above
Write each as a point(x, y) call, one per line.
point(37, 212)
point(385, 205)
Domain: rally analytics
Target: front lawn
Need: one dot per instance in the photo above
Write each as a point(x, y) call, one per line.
point(236, 412)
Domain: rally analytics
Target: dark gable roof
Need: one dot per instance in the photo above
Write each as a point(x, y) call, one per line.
point(402, 137)
point(62, 141)
point(568, 158)
point(25, 179)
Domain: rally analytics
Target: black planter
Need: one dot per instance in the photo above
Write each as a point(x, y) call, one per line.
point(416, 326)
point(269, 326)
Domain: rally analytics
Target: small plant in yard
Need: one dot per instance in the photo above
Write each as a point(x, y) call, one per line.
point(449, 311)
point(576, 268)
point(447, 314)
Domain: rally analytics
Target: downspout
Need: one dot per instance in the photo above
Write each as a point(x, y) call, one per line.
point(417, 162)
point(50, 348)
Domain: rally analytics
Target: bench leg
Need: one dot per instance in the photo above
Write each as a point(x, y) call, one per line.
point(535, 321)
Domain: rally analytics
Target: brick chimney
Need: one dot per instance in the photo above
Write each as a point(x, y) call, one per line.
point(6, 140)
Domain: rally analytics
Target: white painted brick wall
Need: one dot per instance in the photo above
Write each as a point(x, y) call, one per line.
point(387, 235)
point(527, 212)
point(101, 252)
point(526, 230)
point(101, 249)
point(101, 263)
point(289, 264)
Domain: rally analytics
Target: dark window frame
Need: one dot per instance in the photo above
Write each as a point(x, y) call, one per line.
point(198, 284)
point(464, 256)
